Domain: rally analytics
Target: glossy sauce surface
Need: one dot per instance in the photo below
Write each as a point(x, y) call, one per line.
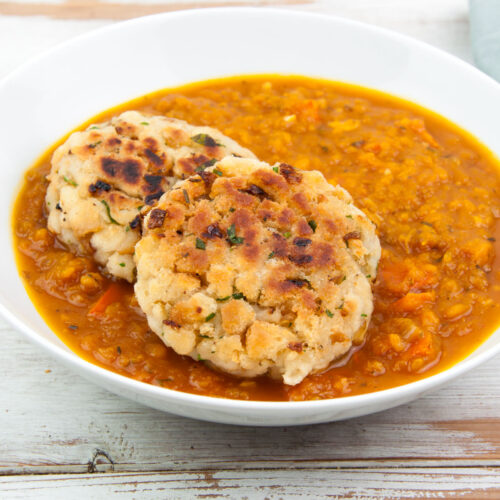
point(431, 189)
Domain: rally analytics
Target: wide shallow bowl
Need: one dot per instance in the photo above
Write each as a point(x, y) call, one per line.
point(49, 96)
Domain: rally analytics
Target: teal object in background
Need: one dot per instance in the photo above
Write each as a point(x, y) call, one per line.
point(485, 33)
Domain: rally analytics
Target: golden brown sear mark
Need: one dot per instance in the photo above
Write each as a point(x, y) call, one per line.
point(153, 157)
point(129, 170)
point(156, 218)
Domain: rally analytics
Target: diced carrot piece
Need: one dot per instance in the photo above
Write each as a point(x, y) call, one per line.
point(422, 347)
point(112, 294)
point(412, 301)
point(402, 276)
point(308, 110)
point(418, 126)
point(480, 251)
point(393, 275)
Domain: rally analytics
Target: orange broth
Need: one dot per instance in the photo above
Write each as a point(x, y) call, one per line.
point(430, 187)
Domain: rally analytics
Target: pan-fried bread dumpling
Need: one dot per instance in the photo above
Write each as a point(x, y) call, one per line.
point(102, 177)
point(257, 269)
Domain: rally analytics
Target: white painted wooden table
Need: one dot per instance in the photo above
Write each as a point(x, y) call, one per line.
point(62, 437)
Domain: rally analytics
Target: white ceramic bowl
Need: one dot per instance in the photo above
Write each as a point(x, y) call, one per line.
point(49, 96)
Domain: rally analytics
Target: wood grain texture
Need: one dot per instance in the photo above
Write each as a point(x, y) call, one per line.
point(66, 420)
point(473, 483)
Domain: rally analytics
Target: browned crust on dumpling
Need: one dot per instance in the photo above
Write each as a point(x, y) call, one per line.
point(102, 177)
point(250, 269)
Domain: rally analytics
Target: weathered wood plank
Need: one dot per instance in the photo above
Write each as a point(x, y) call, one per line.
point(95, 9)
point(54, 422)
point(473, 483)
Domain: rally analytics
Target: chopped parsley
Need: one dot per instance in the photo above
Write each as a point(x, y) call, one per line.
point(204, 336)
point(231, 236)
point(287, 234)
point(217, 172)
point(341, 306)
point(164, 381)
point(368, 275)
point(312, 225)
point(144, 123)
point(210, 316)
point(276, 169)
point(364, 315)
point(205, 140)
point(238, 296)
point(329, 313)
point(122, 264)
point(200, 244)
point(349, 216)
point(205, 165)
point(223, 299)
point(300, 282)
point(108, 210)
point(200, 358)
point(70, 181)
point(92, 146)
point(95, 127)
point(271, 255)
point(186, 196)
point(232, 209)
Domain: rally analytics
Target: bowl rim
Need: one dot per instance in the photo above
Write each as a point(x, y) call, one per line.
point(70, 358)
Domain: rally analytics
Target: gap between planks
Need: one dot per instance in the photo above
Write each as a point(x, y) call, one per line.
point(95, 9)
point(99, 464)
